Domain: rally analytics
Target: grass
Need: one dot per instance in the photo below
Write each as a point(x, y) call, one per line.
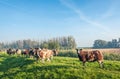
point(18, 67)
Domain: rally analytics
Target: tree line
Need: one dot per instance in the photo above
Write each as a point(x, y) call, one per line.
point(106, 44)
point(66, 42)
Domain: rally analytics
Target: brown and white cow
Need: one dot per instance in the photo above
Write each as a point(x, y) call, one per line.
point(90, 56)
point(18, 52)
point(25, 52)
point(28, 52)
point(11, 51)
point(45, 54)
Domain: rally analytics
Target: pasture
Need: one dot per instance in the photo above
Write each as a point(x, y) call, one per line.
point(19, 67)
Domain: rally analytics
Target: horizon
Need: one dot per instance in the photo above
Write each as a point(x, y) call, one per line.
point(85, 20)
point(41, 40)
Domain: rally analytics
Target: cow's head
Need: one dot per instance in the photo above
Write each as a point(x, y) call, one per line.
point(78, 51)
point(36, 51)
point(55, 52)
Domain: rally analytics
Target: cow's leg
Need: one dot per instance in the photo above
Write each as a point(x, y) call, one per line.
point(101, 64)
point(43, 60)
point(37, 58)
point(31, 56)
point(84, 64)
point(48, 59)
point(51, 57)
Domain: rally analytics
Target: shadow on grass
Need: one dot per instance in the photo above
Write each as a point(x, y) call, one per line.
point(39, 72)
point(10, 62)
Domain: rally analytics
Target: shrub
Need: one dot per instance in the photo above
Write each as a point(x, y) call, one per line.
point(112, 56)
point(68, 54)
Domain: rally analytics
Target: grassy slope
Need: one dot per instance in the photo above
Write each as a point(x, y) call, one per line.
point(13, 67)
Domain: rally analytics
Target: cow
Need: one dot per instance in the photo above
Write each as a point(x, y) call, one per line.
point(18, 52)
point(11, 51)
point(90, 56)
point(28, 52)
point(45, 54)
point(32, 52)
point(25, 52)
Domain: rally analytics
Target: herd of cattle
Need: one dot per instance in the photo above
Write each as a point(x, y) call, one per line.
point(84, 56)
point(36, 52)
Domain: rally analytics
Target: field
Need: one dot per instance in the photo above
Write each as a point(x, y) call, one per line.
point(108, 50)
point(19, 67)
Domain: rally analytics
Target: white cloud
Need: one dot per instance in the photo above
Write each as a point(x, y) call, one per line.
point(105, 32)
point(85, 18)
point(111, 10)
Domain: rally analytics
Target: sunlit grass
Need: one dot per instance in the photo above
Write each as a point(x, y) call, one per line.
point(19, 67)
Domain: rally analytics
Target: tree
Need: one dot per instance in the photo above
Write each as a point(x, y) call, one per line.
point(1, 45)
point(67, 42)
point(44, 45)
point(19, 44)
point(71, 42)
point(114, 43)
point(99, 44)
point(53, 44)
point(109, 44)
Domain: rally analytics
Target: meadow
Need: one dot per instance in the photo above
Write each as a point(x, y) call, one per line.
point(20, 67)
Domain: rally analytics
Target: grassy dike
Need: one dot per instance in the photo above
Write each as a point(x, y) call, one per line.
point(19, 67)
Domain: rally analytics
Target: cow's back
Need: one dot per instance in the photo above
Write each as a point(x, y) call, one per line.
point(49, 54)
point(98, 54)
point(18, 51)
point(43, 53)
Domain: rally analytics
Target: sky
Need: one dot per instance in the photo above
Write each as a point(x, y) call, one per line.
point(85, 20)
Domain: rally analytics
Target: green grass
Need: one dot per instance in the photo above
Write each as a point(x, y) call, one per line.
point(18, 67)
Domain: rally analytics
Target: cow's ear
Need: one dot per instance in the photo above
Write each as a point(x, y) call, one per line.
point(80, 49)
point(76, 49)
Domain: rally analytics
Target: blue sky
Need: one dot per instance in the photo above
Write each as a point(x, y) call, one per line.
point(85, 20)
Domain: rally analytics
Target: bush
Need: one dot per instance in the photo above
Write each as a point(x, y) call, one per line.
point(68, 53)
point(112, 56)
